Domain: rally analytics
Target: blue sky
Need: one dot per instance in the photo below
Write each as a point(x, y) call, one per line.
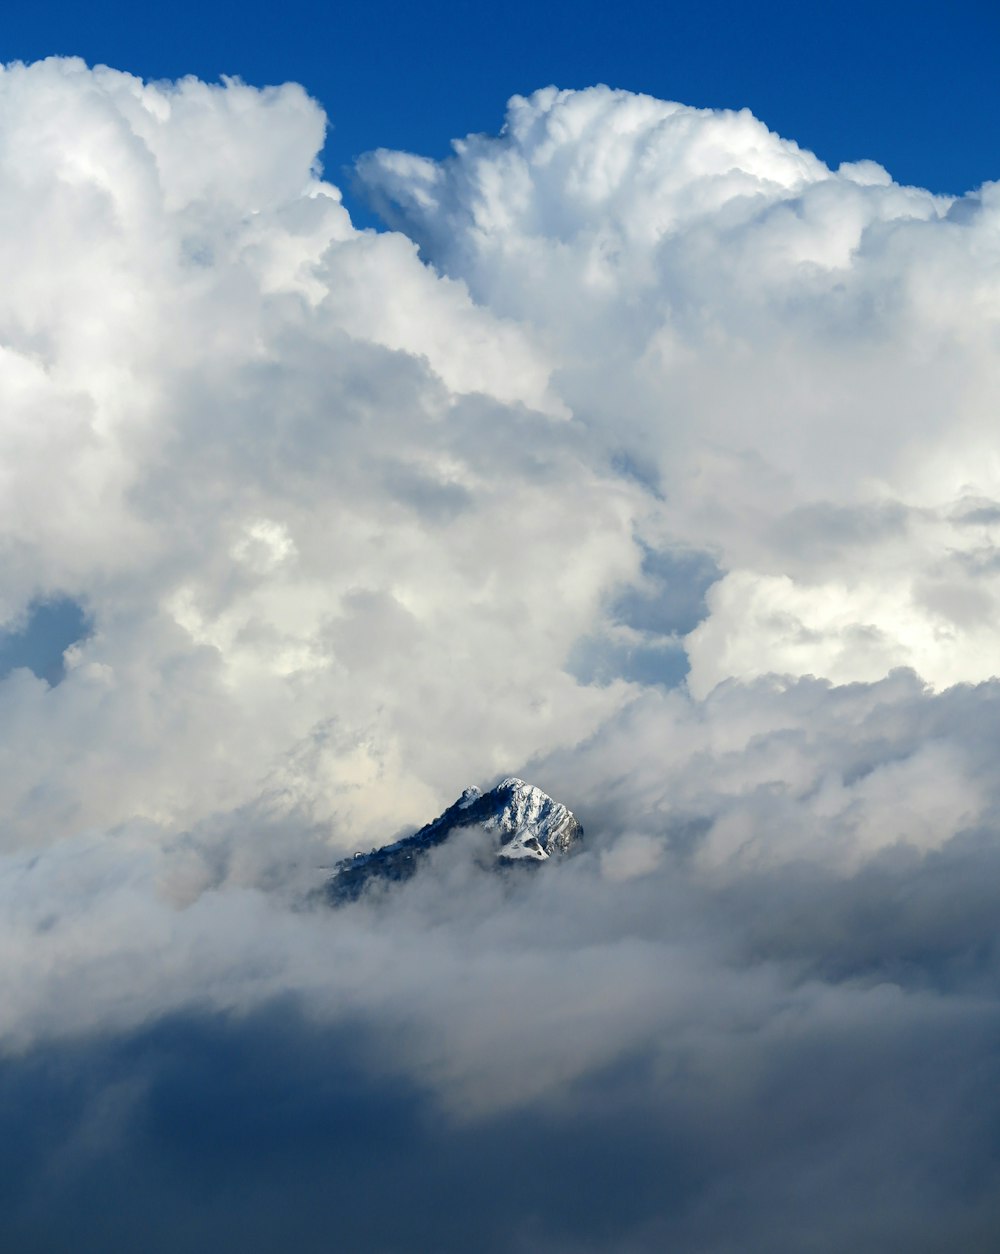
point(913, 86)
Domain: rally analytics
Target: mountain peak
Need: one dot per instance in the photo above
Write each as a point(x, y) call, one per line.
point(526, 825)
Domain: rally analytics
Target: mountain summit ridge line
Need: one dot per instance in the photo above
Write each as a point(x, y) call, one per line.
point(527, 824)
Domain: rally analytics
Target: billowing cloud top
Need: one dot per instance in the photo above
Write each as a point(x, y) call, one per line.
point(802, 362)
point(646, 457)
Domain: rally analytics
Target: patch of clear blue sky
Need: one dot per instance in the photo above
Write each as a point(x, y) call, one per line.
point(39, 642)
point(913, 85)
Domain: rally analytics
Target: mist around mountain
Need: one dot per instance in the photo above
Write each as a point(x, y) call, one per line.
point(521, 824)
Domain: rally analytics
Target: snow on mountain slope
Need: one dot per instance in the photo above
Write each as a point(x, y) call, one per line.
point(527, 826)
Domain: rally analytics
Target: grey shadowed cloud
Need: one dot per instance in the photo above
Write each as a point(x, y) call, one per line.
point(740, 1110)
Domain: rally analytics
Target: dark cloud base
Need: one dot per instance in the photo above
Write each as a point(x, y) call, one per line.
point(271, 1133)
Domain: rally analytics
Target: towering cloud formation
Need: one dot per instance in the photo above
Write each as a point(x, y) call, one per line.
point(647, 458)
point(800, 362)
point(323, 510)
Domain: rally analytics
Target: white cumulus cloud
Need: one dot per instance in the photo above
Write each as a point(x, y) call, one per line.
point(799, 362)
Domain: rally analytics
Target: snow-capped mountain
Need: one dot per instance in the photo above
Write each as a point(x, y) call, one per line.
point(526, 825)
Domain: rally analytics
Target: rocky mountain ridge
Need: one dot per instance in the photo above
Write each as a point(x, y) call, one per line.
point(526, 825)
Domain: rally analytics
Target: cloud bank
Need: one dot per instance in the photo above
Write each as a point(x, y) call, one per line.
point(645, 457)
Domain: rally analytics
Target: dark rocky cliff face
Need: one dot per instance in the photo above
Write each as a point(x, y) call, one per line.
point(526, 825)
